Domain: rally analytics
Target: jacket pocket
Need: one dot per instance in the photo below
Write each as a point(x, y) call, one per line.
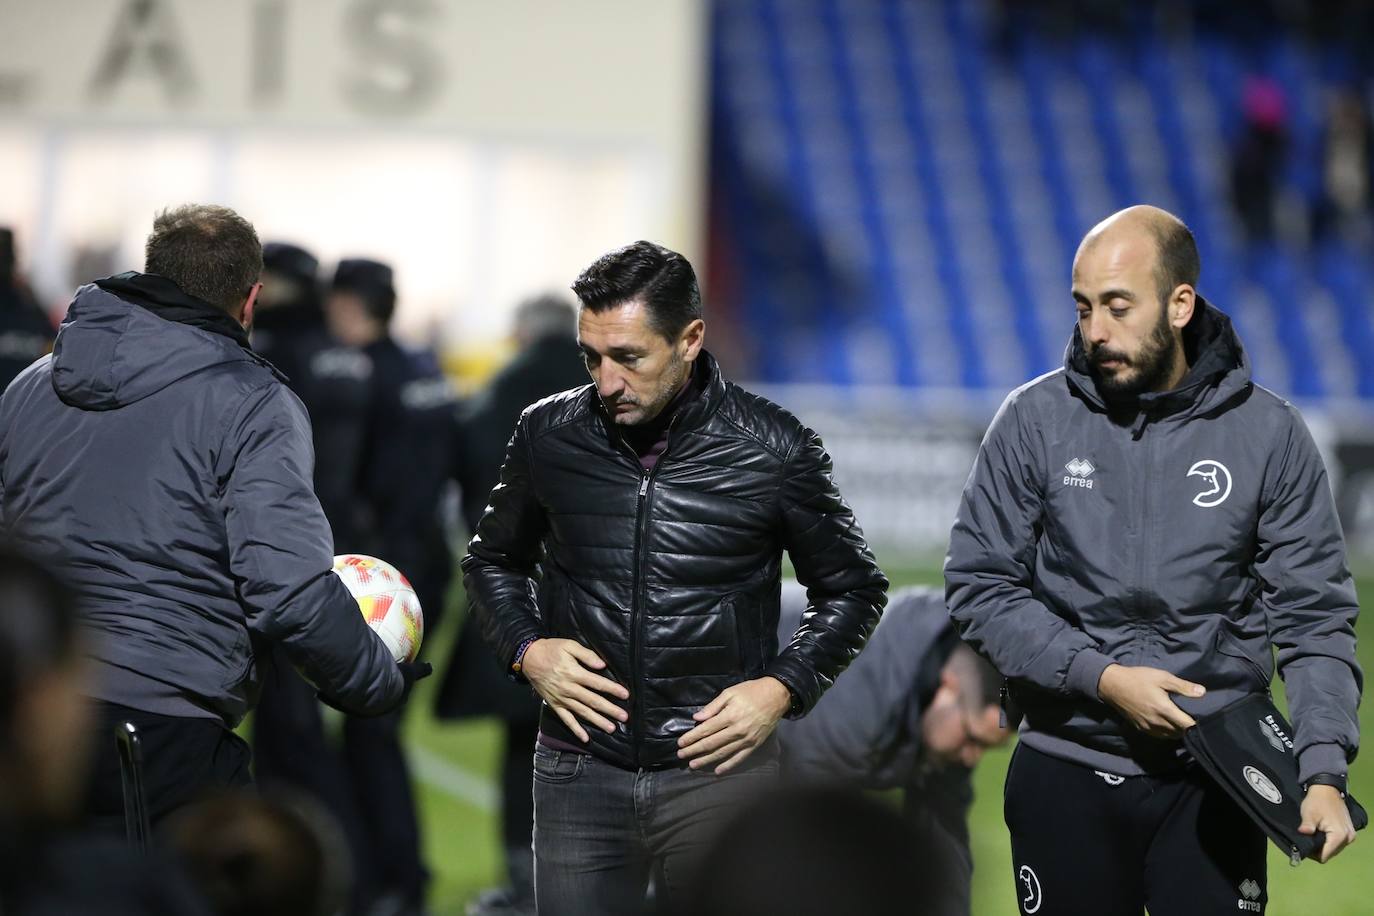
point(1228, 645)
point(554, 610)
point(238, 663)
point(749, 647)
point(553, 766)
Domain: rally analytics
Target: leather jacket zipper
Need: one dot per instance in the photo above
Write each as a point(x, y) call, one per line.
point(640, 596)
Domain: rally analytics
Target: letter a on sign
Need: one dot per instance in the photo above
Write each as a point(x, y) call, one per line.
point(145, 38)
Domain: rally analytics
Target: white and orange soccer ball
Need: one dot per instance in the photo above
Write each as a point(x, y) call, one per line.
point(387, 601)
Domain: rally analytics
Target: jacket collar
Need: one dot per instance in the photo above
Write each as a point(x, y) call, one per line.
point(168, 301)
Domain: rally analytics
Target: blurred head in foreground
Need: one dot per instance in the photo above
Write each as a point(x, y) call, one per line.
point(821, 851)
point(44, 715)
point(254, 856)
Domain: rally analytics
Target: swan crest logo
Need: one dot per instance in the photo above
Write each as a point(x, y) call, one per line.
point(1030, 903)
point(1218, 480)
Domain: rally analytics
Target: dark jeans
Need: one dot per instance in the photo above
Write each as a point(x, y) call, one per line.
point(183, 759)
point(1086, 843)
point(601, 831)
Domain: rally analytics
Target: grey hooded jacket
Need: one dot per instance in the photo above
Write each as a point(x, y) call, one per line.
point(866, 729)
point(166, 469)
point(1192, 534)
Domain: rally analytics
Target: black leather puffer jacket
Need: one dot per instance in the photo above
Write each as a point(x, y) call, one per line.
point(672, 577)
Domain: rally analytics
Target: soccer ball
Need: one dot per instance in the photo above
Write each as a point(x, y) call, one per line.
point(387, 601)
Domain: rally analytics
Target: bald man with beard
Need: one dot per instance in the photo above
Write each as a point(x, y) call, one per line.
point(1141, 529)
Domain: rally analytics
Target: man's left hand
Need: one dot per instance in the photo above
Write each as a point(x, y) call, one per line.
point(736, 722)
point(1323, 809)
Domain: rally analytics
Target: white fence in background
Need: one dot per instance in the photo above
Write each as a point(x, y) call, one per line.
point(901, 459)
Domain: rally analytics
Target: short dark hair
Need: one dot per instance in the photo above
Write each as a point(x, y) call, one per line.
point(209, 251)
point(1177, 260)
point(372, 282)
point(660, 278)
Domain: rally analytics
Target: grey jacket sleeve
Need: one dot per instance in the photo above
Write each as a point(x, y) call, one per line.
point(499, 570)
point(1310, 601)
point(281, 557)
point(845, 588)
point(989, 568)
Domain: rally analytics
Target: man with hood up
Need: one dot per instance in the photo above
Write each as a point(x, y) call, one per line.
point(1140, 530)
point(165, 468)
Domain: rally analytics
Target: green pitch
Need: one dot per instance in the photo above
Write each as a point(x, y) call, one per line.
point(455, 766)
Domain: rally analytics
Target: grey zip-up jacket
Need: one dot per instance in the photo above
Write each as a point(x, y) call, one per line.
point(1192, 535)
point(165, 470)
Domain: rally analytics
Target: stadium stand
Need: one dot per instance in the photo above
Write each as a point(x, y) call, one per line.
point(899, 187)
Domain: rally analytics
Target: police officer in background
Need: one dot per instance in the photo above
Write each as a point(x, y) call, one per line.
point(25, 332)
point(401, 476)
point(333, 379)
point(334, 382)
point(548, 362)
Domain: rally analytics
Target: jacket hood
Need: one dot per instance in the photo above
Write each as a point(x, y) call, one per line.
point(1219, 369)
point(114, 348)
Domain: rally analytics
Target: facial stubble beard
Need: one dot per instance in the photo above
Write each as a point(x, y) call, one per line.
point(1152, 364)
point(675, 374)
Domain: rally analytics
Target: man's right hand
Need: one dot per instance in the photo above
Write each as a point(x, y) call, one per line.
point(1144, 696)
point(564, 673)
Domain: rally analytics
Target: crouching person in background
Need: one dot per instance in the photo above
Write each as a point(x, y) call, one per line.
point(915, 711)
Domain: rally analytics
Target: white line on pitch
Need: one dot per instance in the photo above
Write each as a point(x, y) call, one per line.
point(453, 781)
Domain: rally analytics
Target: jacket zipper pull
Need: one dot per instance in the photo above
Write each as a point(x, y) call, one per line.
point(1002, 698)
point(644, 485)
point(1295, 857)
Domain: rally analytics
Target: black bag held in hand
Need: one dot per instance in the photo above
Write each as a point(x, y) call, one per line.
point(1247, 748)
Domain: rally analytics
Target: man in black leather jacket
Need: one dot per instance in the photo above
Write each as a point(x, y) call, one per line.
point(628, 566)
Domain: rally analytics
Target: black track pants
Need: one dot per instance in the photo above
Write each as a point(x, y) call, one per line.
point(1086, 843)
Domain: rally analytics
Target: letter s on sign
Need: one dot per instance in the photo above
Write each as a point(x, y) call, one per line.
point(399, 72)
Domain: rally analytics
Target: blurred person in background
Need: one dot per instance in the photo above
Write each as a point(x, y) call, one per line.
point(628, 566)
point(914, 711)
point(547, 362)
point(815, 851)
point(261, 856)
point(1343, 210)
point(1140, 531)
point(46, 866)
point(406, 460)
point(25, 332)
point(1258, 159)
point(291, 750)
point(165, 469)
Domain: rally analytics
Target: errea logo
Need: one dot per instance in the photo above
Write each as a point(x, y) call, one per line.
point(1250, 892)
point(1080, 473)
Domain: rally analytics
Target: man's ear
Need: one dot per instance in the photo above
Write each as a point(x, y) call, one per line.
point(1181, 305)
point(249, 305)
point(692, 339)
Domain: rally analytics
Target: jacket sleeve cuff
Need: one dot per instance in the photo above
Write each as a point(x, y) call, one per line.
point(801, 702)
point(1321, 758)
point(1086, 670)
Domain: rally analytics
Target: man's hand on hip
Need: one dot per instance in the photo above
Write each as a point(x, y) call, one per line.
point(564, 673)
point(1323, 809)
point(736, 722)
point(1144, 696)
